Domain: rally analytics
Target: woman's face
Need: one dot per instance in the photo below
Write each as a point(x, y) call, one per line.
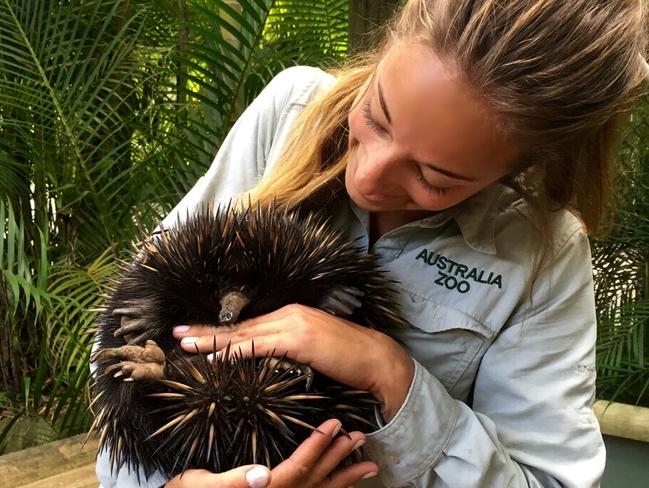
point(420, 138)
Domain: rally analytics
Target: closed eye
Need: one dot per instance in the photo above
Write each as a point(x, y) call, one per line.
point(432, 189)
point(367, 114)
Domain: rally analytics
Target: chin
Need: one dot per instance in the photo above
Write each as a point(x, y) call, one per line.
point(387, 206)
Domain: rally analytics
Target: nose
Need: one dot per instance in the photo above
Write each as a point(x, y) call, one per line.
point(379, 172)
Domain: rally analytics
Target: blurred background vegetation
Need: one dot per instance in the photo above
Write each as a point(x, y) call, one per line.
point(109, 112)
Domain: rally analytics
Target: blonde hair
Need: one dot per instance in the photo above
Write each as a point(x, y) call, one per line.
point(562, 75)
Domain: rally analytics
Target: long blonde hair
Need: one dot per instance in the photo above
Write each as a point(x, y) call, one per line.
point(563, 75)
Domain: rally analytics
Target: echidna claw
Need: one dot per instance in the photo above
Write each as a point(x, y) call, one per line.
point(308, 372)
point(145, 336)
point(129, 326)
point(133, 325)
point(131, 311)
point(341, 302)
point(136, 363)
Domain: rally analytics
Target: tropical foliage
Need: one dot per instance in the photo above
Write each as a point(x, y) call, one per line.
point(109, 112)
point(621, 264)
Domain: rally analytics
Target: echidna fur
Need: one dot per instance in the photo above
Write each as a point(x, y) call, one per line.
point(232, 411)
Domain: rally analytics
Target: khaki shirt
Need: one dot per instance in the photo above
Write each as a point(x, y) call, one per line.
point(504, 375)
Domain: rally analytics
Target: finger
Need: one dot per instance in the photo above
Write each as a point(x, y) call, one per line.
point(299, 466)
point(273, 322)
point(349, 475)
point(181, 331)
point(340, 448)
point(276, 345)
point(248, 328)
point(225, 332)
point(265, 338)
point(207, 330)
point(250, 476)
point(200, 344)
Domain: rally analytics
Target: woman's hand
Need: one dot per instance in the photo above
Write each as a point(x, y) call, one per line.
point(242, 477)
point(346, 352)
point(312, 465)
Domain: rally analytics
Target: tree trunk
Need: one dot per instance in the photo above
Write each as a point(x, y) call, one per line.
point(366, 19)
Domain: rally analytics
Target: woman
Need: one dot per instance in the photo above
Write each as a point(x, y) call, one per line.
point(472, 153)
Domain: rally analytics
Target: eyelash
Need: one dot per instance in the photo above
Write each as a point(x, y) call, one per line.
point(433, 190)
point(370, 121)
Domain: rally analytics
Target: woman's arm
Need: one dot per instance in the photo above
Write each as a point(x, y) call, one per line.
point(256, 140)
point(531, 422)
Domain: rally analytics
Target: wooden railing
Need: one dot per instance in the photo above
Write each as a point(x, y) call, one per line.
point(67, 463)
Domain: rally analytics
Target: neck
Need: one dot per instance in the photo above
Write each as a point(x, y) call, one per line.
point(383, 222)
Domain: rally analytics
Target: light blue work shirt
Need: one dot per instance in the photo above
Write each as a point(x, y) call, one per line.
point(504, 377)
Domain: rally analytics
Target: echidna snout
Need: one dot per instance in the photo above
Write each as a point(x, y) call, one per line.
point(231, 305)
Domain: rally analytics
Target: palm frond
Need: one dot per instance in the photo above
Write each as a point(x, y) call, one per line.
point(621, 276)
point(232, 50)
point(69, 95)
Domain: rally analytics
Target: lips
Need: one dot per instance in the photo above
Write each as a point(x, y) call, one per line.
point(378, 197)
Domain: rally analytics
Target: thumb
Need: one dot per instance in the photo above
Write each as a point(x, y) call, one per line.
point(251, 476)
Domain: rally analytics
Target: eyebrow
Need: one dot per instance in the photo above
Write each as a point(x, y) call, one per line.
point(382, 102)
point(445, 172)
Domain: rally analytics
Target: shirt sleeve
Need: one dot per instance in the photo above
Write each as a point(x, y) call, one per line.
point(531, 423)
point(255, 141)
point(249, 150)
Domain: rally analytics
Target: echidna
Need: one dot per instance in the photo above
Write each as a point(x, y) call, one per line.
point(161, 408)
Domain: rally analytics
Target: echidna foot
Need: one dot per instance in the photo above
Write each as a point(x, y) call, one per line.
point(131, 371)
point(133, 326)
point(138, 363)
point(342, 301)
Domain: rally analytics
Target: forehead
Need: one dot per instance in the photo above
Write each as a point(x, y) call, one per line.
point(436, 114)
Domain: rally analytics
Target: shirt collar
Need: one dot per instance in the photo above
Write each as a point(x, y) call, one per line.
point(475, 217)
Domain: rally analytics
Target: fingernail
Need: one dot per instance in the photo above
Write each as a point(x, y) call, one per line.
point(213, 355)
point(337, 429)
point(258, 477)
point(188, 341)
point(359, 443)
point(179, 329)
point(371, 474)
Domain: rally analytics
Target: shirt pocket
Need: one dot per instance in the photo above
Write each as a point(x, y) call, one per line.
point(448, 342)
